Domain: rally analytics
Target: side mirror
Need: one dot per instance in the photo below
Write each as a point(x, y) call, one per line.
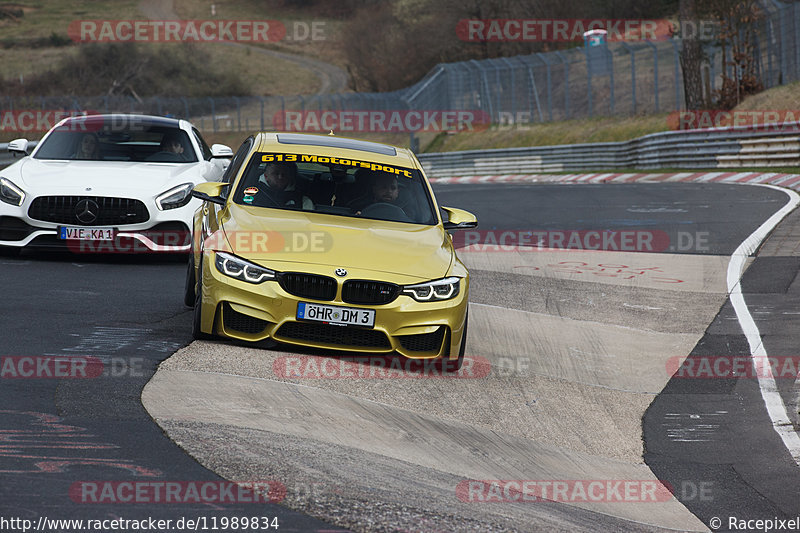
point(210, 192)
point(459, 219)
point(18, 146)
point(220, 150)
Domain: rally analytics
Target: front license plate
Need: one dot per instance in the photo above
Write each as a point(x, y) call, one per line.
point(330, 314)
point(80, 233)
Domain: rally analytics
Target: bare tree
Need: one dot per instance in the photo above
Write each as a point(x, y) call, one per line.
point(691, 56)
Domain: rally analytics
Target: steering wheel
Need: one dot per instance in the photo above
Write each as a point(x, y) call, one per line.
point(386, 211)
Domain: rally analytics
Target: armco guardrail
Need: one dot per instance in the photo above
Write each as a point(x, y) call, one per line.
point(700, 149)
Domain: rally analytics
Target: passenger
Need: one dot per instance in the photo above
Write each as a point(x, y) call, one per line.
point(89, 148)
point(280, 191)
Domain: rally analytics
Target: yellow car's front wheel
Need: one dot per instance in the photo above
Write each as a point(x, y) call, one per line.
point(451, 365)
point(197, 316)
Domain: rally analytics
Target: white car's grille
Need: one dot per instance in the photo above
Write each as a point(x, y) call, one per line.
point(88, 210)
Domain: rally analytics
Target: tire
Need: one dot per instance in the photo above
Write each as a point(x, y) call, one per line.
point(455, 366)
point(197, 314)
point(189, 289)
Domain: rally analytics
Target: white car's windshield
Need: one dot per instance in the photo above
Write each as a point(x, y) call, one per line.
point(335, 186)
point(156, 144)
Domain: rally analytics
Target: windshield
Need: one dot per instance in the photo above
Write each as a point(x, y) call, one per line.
point(155, 144)
point(335, 186)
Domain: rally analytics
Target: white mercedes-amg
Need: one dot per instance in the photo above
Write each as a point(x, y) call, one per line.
point(107, 183)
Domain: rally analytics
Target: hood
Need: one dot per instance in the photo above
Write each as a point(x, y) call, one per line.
point(109, 178)
point(410, 250)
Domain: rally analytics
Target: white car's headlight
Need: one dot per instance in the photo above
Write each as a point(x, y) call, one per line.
point(440, 289)
point(10, 193)
point(238, 268)
point(176, 197)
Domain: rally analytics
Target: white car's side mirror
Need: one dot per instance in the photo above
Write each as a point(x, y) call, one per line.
point(221, 150)
point(18, 146)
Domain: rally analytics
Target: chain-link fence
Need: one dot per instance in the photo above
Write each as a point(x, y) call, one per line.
point(621, 78)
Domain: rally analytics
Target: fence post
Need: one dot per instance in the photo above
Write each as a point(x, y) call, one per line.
point(632, 52)
point(588, 82)
point(499, 88)
point(486, 87)
point(534, 89)
point(513, 88)
point(213, 115)
point(261, 101)
point(796, 44)
point(781, 23)
point(566, 82)
point(543, 58)
point(610, 56)
point(238, 114)
point(655, 72)
point(677, 61)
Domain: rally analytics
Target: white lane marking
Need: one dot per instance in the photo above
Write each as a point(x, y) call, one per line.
point(769, 389)
point(643, 307)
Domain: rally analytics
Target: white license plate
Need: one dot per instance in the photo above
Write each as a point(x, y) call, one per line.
point(331, 314)
point(80, 233)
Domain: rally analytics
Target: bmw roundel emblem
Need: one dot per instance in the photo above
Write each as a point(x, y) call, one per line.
point(341, 272)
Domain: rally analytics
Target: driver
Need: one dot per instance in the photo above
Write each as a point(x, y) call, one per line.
point(383, 189)
point(279, 179)
point(170, 150)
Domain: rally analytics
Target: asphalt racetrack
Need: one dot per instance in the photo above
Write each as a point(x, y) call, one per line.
point(570, 382)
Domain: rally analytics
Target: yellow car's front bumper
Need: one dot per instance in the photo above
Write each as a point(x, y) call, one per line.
point(250, 312)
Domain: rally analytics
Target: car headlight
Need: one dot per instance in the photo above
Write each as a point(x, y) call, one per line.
point(238, 268)
point(440, 289)
point(10, 193)
point(176, 197)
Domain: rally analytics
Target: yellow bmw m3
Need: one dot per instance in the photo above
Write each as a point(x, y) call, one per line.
point(328, 242)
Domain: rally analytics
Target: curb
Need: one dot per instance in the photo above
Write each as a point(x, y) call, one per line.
point(791, 181)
